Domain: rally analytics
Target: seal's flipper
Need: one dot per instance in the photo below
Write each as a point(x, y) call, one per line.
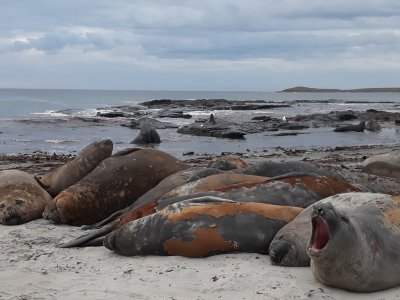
point(125, 152)
point(90, 239)
point(106, 221)
point(39, 181)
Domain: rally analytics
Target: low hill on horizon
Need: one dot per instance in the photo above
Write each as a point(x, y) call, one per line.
point(303, 89)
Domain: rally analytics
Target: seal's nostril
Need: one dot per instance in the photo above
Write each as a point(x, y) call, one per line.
point(320, 211)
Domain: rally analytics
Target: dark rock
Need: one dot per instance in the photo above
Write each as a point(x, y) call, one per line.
point(397, 122)
point(188, 153)
point(292, 126)
point(173, 114)
point(220, 131)
point(346, 116)
point(112, 114)
point(135, 124)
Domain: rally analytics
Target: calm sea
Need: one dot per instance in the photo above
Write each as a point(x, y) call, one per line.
point(39, 119)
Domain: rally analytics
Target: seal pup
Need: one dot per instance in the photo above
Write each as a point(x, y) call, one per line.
point(22, 199)
point(147, 135)
point(202, 228)
point(357, 249)
point(87, 159)
point(346, 128)
point(114, 184)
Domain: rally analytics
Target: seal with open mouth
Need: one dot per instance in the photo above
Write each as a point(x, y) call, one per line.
point(357, 249)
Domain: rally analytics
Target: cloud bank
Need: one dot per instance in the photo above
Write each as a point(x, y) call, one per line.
point(199, 45)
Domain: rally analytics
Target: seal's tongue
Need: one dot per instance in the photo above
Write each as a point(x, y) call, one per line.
point(320, 234)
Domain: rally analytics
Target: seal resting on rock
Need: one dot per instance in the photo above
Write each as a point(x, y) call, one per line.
point(357, 128)
point(202, 228)
point(147, 135)
point(357, 249)
point(87, 159)
point(22, 199)
point(114, 184)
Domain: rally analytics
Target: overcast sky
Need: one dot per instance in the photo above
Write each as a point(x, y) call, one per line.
point(262, 45)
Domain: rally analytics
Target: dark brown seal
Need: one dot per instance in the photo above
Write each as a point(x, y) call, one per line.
point(114, 184)
point(22, 199)
point(198, 229)
point(87, 159)
point(357, 249)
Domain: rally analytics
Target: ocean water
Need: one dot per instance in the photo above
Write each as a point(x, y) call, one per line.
point(62, 121)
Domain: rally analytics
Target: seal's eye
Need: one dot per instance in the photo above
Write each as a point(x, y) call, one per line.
point(345, 219)
point(19, 201)
point(2, 205)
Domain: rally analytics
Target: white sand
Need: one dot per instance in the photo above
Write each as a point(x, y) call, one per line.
point(31, 267)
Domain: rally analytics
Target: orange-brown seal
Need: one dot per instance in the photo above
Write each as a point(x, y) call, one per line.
point(87, 159)
point(114, 184)
point(22, 199)
point(198, 229)
point(293, 190)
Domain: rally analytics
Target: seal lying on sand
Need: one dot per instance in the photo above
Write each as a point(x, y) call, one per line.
point(87, 159)
point(114, 184)
point(299, 190)
point(357, 249)
point(383, 168)
point(289, 246)
point(197, 229)
point(22, 199)
point(357, 128)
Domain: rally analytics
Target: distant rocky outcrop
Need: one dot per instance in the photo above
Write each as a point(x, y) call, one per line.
point(303, 89)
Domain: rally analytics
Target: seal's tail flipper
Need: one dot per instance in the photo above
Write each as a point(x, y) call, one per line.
point(106, 221)
point(93, 239)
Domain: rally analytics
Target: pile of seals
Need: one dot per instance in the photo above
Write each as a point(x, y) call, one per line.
point(147, 202)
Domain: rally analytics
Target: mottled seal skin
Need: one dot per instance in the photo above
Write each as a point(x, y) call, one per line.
point(294, 190)
point(114, 184)
point(383, 168)
point(357, 249)
point(199, 229)
point(87, 159)
point(215, 183)
point(390, 157)
point(289, 246)
point(346, 128)
point(147, 135)
point(22, 199)
point(227, 163)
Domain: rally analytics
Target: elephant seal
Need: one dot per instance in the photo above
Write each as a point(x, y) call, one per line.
point(390, 157)
point(357, 249)
point(346, 128)
point(199, 229)
point(114, 184)
point(147, 135)
point(372, 125)
point(22, 199)
point(383, 168)
point(291, 190)
point(87, 159)
point(289, 246)
point(227, 163)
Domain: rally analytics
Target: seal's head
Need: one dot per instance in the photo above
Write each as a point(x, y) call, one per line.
point(329, 227)
point(12, 210)
point(284, 251)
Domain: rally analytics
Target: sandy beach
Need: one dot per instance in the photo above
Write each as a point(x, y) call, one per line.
point(32, 267)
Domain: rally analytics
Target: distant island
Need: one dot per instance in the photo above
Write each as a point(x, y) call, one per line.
point(303, 89)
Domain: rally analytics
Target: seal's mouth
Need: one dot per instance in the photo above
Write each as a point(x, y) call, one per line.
point(320, 235)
